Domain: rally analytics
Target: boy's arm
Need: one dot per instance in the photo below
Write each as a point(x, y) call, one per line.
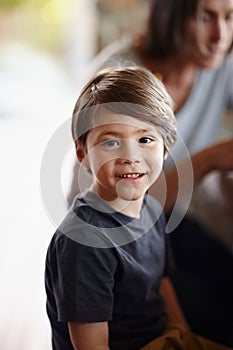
point(89, 336)
point(172, 304)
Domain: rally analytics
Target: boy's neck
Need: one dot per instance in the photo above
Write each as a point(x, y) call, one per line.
point(130, 208)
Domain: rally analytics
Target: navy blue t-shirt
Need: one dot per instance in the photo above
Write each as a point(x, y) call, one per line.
point(101, 266)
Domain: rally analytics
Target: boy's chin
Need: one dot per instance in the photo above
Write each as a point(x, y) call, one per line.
point(123, 194)
point(130, 197)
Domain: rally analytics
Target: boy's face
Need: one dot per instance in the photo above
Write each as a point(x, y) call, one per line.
point(125, 156)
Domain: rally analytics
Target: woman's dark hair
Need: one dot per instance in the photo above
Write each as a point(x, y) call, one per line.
point(166, 26)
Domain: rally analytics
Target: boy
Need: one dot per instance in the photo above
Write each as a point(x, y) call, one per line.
point(106, 263)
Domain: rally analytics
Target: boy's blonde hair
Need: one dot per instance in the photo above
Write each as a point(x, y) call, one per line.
point(132, 91)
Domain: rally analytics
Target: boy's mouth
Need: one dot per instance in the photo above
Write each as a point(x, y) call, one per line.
point(132, 175)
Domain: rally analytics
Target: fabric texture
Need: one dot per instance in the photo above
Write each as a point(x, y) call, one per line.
point(114, 283)
point(175, 337)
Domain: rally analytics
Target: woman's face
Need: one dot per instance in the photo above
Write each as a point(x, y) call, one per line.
point(210, 36)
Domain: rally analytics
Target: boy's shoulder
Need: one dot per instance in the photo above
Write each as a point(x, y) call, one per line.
point(153, 203)
point(92, 223)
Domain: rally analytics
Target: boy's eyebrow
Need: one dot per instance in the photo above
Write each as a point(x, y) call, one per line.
point(150, 129)
point(109, 132)
point(117, 133)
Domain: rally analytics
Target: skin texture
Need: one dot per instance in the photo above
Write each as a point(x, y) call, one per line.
point(89, 336)
point(209, 38)
point(126, 158)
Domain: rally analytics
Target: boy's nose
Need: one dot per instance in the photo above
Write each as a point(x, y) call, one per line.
point(128, 161)
point(130, 153)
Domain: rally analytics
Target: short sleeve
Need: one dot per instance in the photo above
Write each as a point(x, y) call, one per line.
point(83, 282)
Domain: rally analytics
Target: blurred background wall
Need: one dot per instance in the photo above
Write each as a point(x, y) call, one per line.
point(45, 47)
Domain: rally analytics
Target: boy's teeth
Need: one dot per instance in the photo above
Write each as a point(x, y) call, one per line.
point(131, 175)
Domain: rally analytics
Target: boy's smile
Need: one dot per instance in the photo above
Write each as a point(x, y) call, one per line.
point(125, 156)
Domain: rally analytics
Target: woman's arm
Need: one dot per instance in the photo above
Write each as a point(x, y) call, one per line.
point(217, 157)
point(89, 336)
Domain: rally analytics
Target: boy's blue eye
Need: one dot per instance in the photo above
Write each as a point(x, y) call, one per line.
point(145, 140)
point(110, 143)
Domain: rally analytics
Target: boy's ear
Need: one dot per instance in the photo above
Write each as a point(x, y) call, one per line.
point(81, 154)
